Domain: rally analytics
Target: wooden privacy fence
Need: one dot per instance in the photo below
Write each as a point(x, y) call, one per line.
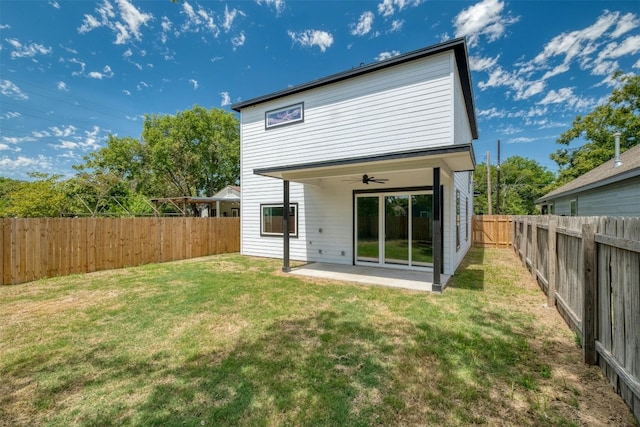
point(589, 267)
point(492, 231)
point(33, 248)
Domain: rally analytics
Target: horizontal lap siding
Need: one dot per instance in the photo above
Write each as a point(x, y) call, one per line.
point(620, 199)
point(365, 115)
point(403, 108)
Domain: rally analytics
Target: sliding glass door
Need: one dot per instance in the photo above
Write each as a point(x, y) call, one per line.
point(394, 229)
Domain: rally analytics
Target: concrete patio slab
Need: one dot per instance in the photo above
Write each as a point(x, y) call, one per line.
point(396, 278)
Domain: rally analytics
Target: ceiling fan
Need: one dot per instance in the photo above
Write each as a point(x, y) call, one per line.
point(366, 179)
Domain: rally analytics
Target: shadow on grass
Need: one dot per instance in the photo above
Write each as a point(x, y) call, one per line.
point(470, 274)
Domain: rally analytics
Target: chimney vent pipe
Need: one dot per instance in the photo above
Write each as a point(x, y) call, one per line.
point(616, 161)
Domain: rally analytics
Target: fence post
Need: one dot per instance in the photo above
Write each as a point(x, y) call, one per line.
point(534, 248)
point(552, 261)
point(590, 283)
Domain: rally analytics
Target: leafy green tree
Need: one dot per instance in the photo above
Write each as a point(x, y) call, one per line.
point(43, 197)
point(621, 113)
point(196, 152)
point(7, 186)
point(522, 181)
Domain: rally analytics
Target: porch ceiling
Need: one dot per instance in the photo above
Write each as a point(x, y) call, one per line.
point(455, 158)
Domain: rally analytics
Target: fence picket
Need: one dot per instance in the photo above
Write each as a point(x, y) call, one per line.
point(34, 248)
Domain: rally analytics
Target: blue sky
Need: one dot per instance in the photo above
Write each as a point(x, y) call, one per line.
point(73, 72)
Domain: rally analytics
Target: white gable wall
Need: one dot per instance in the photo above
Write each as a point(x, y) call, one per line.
point(409, 106)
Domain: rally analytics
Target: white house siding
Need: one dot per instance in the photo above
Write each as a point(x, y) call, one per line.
point(382, 112)
point(462, 184)
point(371, 114)
point(460, 121)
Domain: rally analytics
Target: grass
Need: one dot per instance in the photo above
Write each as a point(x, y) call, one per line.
point(227, 340)
point(396, 249)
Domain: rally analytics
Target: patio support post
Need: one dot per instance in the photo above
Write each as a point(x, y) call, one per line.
point(217, 208)
point(437, 232)
point(285, 228)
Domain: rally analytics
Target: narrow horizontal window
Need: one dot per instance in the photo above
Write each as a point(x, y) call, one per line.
point(271, 217)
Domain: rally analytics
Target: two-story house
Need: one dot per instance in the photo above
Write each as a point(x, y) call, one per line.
point(371, 166)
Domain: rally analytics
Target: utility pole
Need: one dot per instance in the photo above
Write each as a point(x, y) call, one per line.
point(489, 182)
point(498, 186)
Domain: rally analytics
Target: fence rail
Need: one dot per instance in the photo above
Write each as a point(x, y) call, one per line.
point(33, 248)
point(589, 267)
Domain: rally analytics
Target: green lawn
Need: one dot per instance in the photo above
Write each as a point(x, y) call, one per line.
point(228, 340)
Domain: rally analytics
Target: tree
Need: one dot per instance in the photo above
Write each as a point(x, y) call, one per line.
point(522, 182)
point(621, 114)
point(43, 197)
point(197, 151)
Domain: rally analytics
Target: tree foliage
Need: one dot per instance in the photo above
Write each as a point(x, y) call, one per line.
point(196, 152)
point(621, 113)
point(522, 181)
point(43, 197)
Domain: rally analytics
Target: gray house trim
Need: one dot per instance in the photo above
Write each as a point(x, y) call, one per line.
point(459, 46)
point(460, 149)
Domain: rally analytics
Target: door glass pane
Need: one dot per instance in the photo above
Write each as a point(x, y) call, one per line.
point(396, 244)
point(422, 230)
point(368, 248)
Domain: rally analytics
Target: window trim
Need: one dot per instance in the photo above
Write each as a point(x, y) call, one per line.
point(573, 203)
point(293, 206)
point(457, 219)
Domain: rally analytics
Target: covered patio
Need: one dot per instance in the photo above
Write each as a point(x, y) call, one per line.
point(391, 277)
point(415, 170)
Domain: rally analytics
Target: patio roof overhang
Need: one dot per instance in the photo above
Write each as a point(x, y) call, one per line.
point(454, 158)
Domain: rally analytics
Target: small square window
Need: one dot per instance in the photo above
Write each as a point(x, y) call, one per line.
point(271, 220)
point(574, 207)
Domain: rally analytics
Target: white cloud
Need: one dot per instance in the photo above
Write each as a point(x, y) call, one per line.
point(27, 51)
point(17, 140)
point(126, 92)
point(389, 7)
point(63, 86)
point(8, 88)
point(11, 115)
point(480, 64)
point(310, 38)
point(386, 55)
point(167, 27)
point(106, 73)
point(396, 25)
point(625, 24)
point(194, 83)
point(229, 17)
point(226, 99)
point(55, 4)
point(364, 24)
point(126, 24)
point(4, 27)
point(38, 163)
point(238, 41)
point(567, 97)
point(64, 132)
point(198, 20)
point(127, 53)
point(142, 85)
point(278, 5)
point(483, 19)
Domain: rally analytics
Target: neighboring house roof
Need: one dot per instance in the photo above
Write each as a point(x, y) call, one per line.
point(459, 46)
point(604, 174)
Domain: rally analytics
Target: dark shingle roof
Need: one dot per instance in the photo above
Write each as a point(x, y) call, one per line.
point(602, 175)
